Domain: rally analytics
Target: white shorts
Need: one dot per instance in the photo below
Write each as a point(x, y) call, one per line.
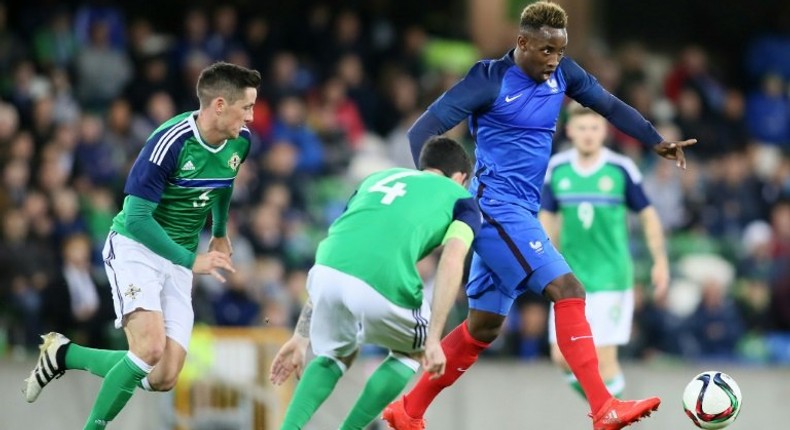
point(348, 312)
point(141, 279)
point(610, 314)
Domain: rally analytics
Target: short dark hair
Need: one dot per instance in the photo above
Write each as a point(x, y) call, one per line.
point(445, 154)
point(225, 80)
point(543, 13)
point(575, 109)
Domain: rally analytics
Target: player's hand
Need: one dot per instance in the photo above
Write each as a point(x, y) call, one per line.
point(674, 151)
point(433, 359)
point(660, 277)
point(210, 263)
point(221, 244)
point(289, 359)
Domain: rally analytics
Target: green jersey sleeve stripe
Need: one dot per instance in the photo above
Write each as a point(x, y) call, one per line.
point(459, 230)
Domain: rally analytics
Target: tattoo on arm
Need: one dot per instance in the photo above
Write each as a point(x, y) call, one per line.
point(303, 325)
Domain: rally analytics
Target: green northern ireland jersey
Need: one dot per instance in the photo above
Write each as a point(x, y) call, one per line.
point(594, 204)
point(395, 218)
point(184, 175)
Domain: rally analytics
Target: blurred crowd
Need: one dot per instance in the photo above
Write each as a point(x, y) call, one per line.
point(82, 87)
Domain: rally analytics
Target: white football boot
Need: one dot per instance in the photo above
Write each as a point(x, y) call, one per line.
point(51, 364)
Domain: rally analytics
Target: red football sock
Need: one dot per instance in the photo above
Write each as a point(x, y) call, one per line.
point(461, 350)
point(575, 340)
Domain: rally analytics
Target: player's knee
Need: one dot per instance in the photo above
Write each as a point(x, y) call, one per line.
point(565, 287)
point(150, 352)
point(166, 383)
point(485, 331)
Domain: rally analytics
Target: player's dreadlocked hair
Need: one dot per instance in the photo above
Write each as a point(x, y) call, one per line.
point(225, 80)
point(543, 13)
point(445, 154)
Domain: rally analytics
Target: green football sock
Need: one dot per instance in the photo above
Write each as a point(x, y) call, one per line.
point(95, 361)
point(116, 390)
point(382, 387)
point(616, 385)
point(318, 381)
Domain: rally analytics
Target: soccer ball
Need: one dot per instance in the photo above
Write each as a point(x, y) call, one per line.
point(712, 400)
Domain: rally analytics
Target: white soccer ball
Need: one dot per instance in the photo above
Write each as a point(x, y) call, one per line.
point(712, 400)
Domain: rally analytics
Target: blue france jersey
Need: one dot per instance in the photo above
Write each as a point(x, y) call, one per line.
point(513, 119)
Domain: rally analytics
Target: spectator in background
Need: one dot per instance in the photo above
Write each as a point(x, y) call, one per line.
point(55, 45)
point(22, 279)
point(235, 306)
point(65, 108)
point(73, 301)
point(260, 41)
point(67, 220)
point(224, 39)
point(291, 126)
point(693, 72)
point(664, 188)
point(95, 160)
point(768, 112)
point(153, 77)
point(716, 325)
point(194, 39)
point(12, 50)
point(102, 69)
point(336, 118)
point(351, 72)
point(735, 197)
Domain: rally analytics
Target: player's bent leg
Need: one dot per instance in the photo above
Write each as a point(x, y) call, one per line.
point(462, 349)
point(574, 337)
point(146, 336)
point(318, 380)
point(383, 386)
point(165, 374)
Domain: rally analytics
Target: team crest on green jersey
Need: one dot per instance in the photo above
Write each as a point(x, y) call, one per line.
point(234, 161)
point(605, 184)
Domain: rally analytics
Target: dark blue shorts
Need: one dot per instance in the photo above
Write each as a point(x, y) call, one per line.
point(512, 253)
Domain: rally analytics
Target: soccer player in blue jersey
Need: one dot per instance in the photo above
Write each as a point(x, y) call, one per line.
point(512, 105)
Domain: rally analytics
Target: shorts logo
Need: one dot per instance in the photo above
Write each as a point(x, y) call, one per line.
point(536, 246)
point(132, 292)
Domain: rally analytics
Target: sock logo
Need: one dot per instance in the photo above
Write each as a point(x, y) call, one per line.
point(462, 370)
point(575, 338)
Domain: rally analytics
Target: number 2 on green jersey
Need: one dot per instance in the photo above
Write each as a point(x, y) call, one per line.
point(391, 192)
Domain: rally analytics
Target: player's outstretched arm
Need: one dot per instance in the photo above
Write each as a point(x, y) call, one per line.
point(674, 151)
point(141, 224)
point(291, 356)
point(448, 281)
point(654, 236)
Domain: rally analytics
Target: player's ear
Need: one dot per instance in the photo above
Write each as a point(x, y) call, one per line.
point(219, 105)
point(521, 41)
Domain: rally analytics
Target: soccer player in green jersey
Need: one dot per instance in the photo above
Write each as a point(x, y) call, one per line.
point(364, 287)
point(587, 195)
point(185, 170)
